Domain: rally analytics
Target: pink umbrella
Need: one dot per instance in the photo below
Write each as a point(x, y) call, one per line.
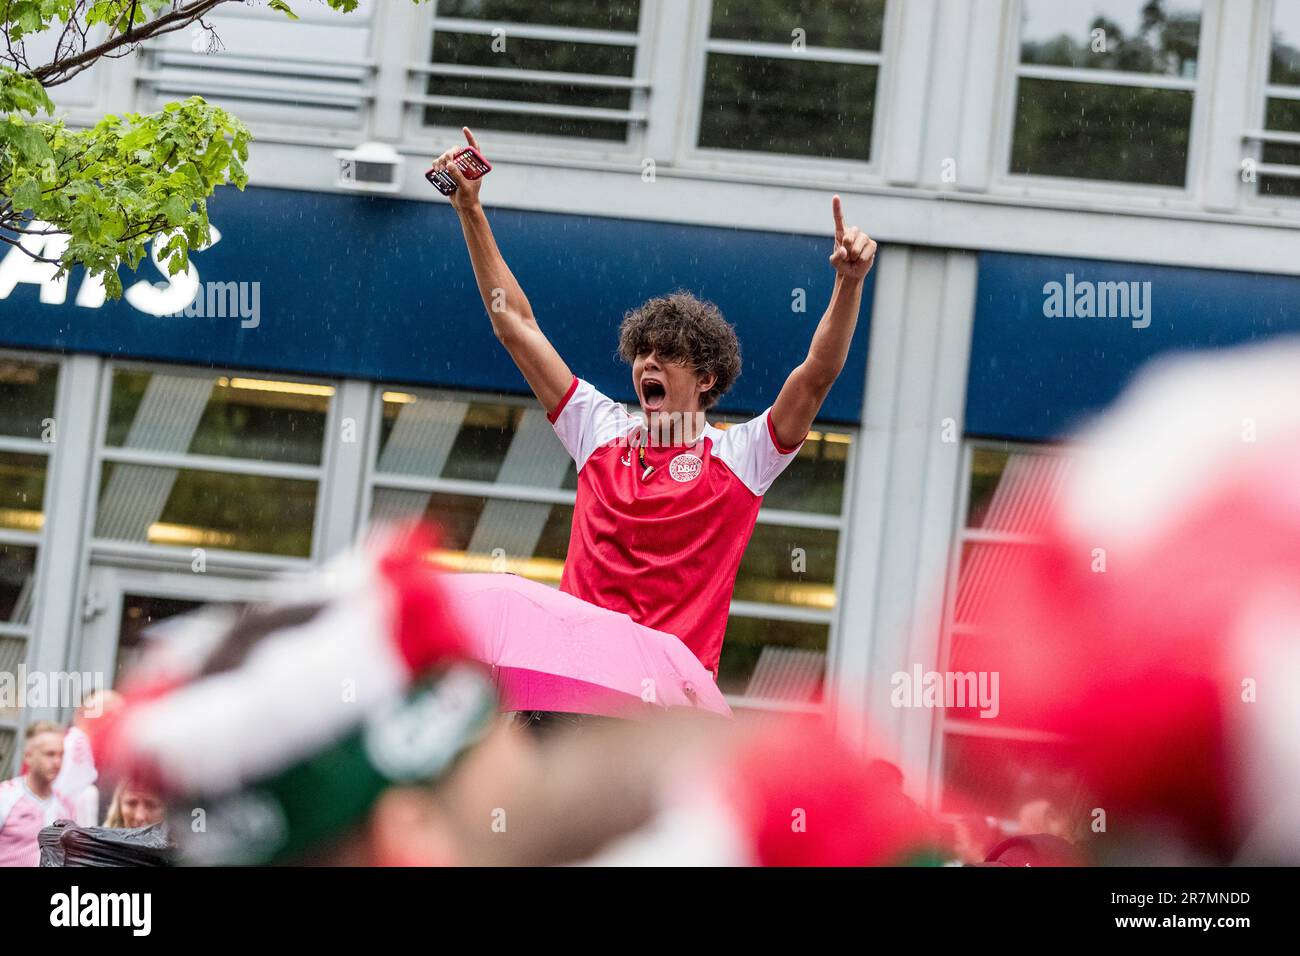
point(552, 651)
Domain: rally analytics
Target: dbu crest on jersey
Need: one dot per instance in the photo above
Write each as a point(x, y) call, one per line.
point(685, 467)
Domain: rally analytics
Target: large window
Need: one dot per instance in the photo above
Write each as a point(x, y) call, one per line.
point(1106, 90)
point(493, 476)
point(563, 69)
point(792, 77)
point(28, 436)
point(199, 460)
point(1282, 103)
point(999, 762)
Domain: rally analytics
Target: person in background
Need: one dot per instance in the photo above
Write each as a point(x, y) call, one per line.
point(1045, 816)
point(78, 778)
point(29, 802)
point(134, 806)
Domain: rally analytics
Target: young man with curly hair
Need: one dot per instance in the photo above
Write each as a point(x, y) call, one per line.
point(665, 506)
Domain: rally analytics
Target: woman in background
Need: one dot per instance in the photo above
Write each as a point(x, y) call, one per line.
point(134, 806)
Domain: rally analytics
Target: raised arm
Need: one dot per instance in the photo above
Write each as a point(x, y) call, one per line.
point(507, 306)
point(804, 391)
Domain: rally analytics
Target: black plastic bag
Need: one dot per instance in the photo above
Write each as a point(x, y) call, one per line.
point(66, 844)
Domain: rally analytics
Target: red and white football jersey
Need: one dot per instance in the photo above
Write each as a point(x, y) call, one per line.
point(664, 549)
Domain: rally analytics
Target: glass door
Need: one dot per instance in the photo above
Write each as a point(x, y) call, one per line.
point(120, 605)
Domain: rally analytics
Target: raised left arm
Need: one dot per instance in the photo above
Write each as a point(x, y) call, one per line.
point(807, 386)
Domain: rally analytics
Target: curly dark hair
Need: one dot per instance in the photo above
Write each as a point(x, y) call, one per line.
point(678, 327)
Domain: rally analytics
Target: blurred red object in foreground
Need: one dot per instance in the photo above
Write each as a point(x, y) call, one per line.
point(1147, 622)
point(805, 799)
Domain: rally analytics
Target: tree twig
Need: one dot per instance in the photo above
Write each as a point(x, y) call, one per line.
point(52, 73)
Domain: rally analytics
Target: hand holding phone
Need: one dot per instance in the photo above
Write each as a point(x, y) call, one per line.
point(468, 160)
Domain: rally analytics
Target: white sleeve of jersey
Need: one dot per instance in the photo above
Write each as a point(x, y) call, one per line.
point(586, 419)
point(751, 451)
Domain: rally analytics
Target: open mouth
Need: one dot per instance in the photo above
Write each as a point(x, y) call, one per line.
point(653, 393)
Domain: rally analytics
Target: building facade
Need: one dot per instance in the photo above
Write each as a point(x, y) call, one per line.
point(1060, 194)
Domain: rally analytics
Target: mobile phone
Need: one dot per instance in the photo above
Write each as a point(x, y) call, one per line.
point(470, 162)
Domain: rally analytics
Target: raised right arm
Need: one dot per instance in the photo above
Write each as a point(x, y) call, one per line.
point(512, 317)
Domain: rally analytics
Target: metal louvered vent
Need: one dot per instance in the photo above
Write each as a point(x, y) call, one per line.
point(786, 674)
point(7, 741)
point(13, 651)
point(248, 64)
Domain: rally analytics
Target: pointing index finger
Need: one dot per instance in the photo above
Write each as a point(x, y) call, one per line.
point(838, 209)
point(469, 137)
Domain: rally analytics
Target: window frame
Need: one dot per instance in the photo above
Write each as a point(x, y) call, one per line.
point(142, 553)
point(962, 534)
point(110, 583)
point(39, 540)
point(1032, 186)
point(806, 170)
point(509, 143)
point(1252, 143)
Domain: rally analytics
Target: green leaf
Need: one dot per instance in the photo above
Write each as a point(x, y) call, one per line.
point(28, 139)
point(27, 195)
point(22, 94)
point(86, 222)
point(175, 209)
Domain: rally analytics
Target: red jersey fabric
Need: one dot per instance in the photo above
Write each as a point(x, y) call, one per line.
point(664, 549)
